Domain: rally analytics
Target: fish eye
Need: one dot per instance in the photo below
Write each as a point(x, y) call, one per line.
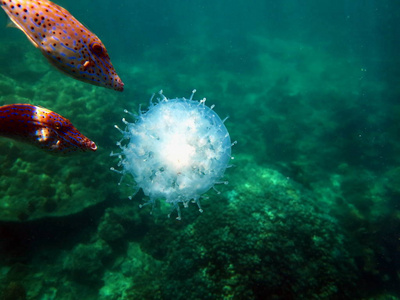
point(97, 48)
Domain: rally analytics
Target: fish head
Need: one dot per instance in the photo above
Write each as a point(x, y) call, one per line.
point(96, 65)
point(81, 55)
point(66, 138)
point(42, 128)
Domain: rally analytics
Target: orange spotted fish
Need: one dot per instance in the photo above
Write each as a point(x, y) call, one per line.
point(43, 128)
point(64, 41)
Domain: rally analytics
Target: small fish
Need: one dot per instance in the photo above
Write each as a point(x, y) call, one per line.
point(64, 41)
point(43, 128)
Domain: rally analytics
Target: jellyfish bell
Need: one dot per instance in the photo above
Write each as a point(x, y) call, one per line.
point(177, 150)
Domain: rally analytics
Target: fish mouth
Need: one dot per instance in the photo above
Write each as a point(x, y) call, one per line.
point(120, 86)
point(92, 146)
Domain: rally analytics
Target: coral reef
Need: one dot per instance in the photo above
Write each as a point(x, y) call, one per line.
point(311, 210)
point(14, 291)
point(84, 263)
point(279, 244)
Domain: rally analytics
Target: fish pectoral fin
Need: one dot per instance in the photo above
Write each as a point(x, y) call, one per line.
point(11, 23)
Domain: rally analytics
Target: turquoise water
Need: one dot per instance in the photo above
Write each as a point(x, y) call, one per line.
point(311, 210)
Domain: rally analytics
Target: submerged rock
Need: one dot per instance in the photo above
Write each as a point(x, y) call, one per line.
point(269, 238)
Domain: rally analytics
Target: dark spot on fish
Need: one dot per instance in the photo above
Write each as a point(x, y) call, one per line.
point(25, 10)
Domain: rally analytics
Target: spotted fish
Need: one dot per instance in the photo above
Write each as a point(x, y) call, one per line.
point(42, 128)
point(64, 41)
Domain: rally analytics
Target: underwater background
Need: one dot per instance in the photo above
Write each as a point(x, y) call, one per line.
point(312, 208)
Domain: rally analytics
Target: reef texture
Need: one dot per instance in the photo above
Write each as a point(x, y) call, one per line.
point(311, 210)
point(281, 244)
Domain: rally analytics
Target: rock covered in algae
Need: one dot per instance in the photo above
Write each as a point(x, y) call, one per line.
point(84, 262)
point(264, 236)
point(269, 237)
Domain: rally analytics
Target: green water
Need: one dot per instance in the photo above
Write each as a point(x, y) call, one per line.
point(312, 207)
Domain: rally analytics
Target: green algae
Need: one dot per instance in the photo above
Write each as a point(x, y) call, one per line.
point(311, 210)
